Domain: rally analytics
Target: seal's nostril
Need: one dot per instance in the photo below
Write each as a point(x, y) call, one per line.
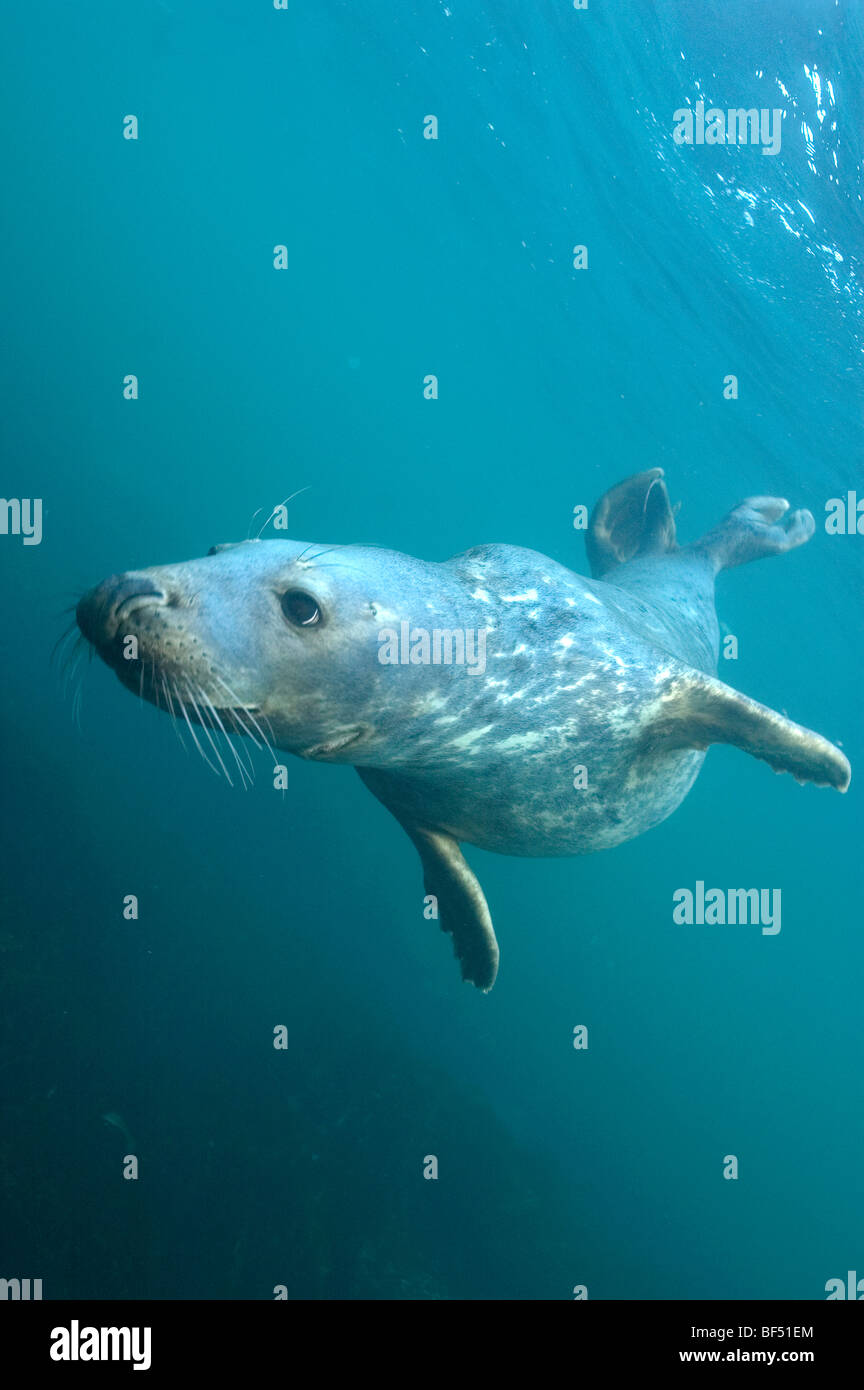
point(102, 610)
point(135, 586)
point(131, 603)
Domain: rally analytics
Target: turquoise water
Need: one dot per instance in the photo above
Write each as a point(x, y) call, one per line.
point(407, 257)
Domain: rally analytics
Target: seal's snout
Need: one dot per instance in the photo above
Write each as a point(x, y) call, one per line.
point(102, 612)
point(147, 626)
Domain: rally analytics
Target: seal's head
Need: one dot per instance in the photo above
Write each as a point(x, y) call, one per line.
point(279, 635)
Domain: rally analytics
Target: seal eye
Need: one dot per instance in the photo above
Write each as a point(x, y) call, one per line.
point(300, 609)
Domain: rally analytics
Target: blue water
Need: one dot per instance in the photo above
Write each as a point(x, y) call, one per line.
point(304, 1168)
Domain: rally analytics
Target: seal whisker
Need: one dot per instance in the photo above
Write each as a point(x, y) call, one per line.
point(244, 733)
point(257, 512)
point(175, 694)
point(73, 679)
point(206, 726)
point(244, 730)
point(209, 713)
point(195, 740)
point(329, 549)
point(200, 720)
point(76, 650)
point(271, 733)
point(72, 663)
point(169, 702)
point(317, 556)
point(76, 703)
point(246, 777)
point(276, 508)
point(214, 713)
point(305, 551)
point(268, 742)
point(234, 711)
point(56, 655)
point(239, 706)
point(241, 754)
point(304, 555)
point(341, 564)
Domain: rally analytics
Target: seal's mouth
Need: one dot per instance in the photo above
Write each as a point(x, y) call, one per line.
point(320, 752)
point(205, 702)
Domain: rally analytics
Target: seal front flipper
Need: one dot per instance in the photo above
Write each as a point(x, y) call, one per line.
point(462, 908)
point(695, 710)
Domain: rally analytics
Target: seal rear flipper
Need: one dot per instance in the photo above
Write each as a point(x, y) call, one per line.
point(695, 711)
point(632, 518)
point(462, 908)
point(758, 526)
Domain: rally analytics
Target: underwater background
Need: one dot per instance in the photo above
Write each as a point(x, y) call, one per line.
point(407, 256)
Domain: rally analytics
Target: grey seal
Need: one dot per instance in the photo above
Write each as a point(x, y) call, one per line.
point(584, 724)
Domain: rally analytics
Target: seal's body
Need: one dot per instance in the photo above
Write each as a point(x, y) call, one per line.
point(498, 699)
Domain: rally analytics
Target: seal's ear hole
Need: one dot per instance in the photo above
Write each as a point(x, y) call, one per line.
point(300, 608)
